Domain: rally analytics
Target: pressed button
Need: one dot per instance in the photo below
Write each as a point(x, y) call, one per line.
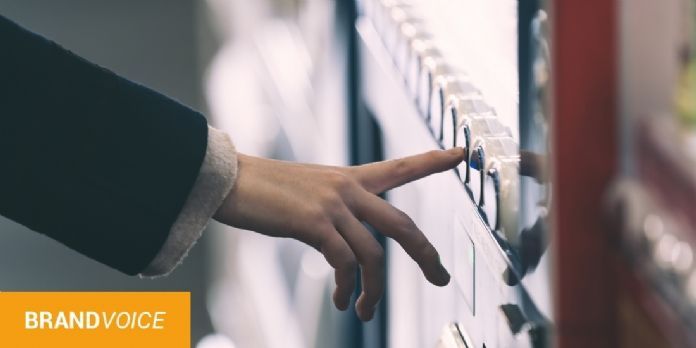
point(462, 138)
point(465, 133)
point(477, 161)
point(459, 107)
point(479, 131)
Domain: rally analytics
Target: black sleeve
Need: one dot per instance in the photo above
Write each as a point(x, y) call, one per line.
point(97, 162)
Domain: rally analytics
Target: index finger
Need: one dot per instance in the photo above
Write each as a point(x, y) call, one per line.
point(382, 176)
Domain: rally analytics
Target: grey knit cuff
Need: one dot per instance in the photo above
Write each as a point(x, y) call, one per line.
point(215, 179)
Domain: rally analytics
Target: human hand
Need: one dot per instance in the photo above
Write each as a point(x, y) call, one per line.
point(323, 206)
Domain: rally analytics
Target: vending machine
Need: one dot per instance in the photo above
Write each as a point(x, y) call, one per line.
point(531, 90)
point(440, 74)
point(654, 199)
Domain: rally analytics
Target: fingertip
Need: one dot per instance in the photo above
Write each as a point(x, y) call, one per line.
point(444, 279)
point(341, 307)
point(454, 156)
point(456, 151)
point(341, 302)
point(444, 276)
point(361, 309)
point(364, 315)
point(475, 156)
point(440, 277)
point(439, 280)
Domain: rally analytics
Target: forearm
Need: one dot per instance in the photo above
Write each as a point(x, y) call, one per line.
point(97, 162)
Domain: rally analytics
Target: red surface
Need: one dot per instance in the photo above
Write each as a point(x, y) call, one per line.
point(585, 163)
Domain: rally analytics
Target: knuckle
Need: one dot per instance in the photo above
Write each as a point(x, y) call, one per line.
point(351, 172)
point(375, 256)
point(348, 262)
point(314, 214)
point(404, 222)
point(428, 252)
point(339, 180)
point(332, 201)
point(325, 230)
point(343, 185)
point(402, 167)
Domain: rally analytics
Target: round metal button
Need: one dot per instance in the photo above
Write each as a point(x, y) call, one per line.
point(421, 49)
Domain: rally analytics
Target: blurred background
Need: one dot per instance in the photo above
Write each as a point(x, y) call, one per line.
point(570, 224)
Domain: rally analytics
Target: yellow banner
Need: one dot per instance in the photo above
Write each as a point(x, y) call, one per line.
point(95, 319)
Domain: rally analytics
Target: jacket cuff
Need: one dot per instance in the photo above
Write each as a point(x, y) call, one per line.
point(215, 180)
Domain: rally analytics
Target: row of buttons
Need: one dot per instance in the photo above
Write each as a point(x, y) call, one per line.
point(455, 111)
